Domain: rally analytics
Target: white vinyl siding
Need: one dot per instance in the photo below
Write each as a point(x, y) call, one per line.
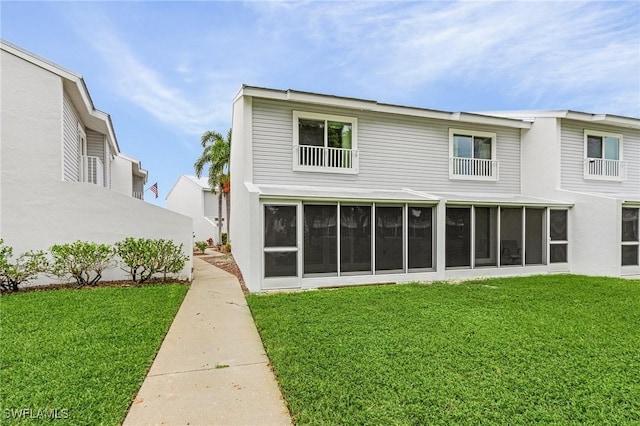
point(394, 151)
point(572, 154)
point(71, 153)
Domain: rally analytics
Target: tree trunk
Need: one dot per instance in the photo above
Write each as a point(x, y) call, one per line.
point(220, 215)
point(228, 194)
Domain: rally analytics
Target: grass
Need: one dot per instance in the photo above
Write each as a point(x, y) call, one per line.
point(80, 355)
point(546, 349)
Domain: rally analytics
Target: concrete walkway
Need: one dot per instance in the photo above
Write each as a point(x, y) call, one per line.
point(211, 368)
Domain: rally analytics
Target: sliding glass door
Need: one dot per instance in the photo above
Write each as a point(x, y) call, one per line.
point(389, 239)
point(355, 239)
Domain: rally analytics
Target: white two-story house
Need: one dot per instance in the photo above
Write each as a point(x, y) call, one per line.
point(192, 196)
point(334, 191)
point(63, 177)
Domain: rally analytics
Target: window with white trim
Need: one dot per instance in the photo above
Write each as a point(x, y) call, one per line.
point(472, 155)
point(324, 143)
point(630, 236)
point(603, 156)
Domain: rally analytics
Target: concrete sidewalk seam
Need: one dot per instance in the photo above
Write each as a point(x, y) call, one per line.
point(208, 369)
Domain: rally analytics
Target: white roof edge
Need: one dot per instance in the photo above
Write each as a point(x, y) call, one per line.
point(197, 182)
point(137, 164)
point(370, 105)
point(76, 79)
point(191, 180)
point(531, 115)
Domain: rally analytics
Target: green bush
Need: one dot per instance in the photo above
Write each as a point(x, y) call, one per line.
point(224, 238)
point(144, 257)
point(169, 257)
point(82, 260)
point(201, 246)
point(25, 267)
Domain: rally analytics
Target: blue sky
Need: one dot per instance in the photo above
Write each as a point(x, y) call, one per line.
point(168, 71)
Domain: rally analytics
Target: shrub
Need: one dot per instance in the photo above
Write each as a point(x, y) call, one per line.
point(201, 246)
point(24, 268)
point(170, 258)
point(224, 238)
point(210, 241)
point(226, 248)
point(82, 260)
point(144, 257)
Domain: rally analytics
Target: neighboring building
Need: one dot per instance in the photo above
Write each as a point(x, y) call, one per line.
point(335, 191)
point(192, 196)
point(63, 177)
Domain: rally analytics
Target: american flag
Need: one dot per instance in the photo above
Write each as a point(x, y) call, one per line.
point(154, 189)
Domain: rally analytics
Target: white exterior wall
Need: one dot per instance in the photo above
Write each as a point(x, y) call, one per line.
point(190, 199)
point(245, 206)
point(395, 151)
point(552, 168)
point(572, 155)
point(541, 158)
point(39, 209)
point(62, 212)
point(122, 176)
point(595, 236)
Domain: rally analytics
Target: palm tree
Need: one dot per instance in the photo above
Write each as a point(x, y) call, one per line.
point(216, 153)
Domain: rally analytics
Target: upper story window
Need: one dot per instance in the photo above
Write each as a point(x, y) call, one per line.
point(324, 143)
point(472, 155)
point(603, 156)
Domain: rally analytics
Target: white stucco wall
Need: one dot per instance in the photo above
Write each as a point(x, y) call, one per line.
point(245, 209)
point(190, 199)
point(541, 157)
point(36, 216)
point(594, 235)
point(121, 176)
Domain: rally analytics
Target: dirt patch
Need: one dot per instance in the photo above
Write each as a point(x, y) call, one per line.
point(228, 264)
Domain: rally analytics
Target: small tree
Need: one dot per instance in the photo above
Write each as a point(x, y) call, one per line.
point(137, 255)
point(25, 267)
point(83, 261)
point(170, 257)
point(201, 245)
point(144, 257)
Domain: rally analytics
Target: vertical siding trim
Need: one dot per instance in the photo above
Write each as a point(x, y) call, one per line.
point(71, 150)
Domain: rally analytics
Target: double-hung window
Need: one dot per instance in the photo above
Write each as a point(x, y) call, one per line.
point(603, 156)
point(472, 155)
point(324, 143)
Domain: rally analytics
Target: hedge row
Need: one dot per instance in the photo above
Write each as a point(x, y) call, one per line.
point(85, 261)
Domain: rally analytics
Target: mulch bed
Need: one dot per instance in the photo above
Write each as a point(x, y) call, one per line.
point(228, 264)
point(72, 286)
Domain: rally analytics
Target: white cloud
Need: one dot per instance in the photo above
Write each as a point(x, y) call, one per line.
point(545, 52)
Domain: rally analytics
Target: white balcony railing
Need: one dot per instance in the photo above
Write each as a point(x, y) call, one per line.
point(598, 168)
point(473, 168)
point(324, 159)
point(92, 170)
point(138, 194)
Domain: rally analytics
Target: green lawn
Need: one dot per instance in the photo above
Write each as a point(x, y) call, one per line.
point(546, 349)
point(80, 355)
